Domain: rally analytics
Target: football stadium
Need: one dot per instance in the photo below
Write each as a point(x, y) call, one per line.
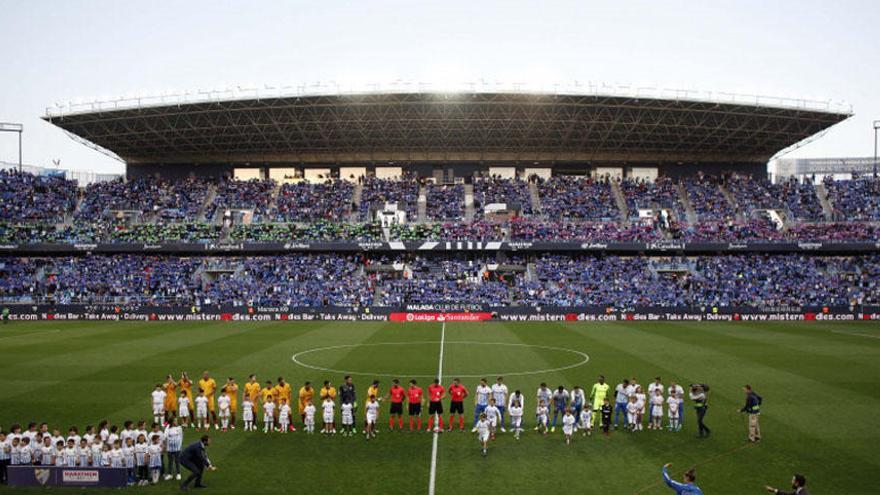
point(412, 288)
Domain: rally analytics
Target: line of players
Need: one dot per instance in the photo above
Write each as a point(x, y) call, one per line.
point(135, 447)
point(275, 400)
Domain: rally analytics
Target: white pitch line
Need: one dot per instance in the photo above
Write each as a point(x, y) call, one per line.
point(838, 332)
point(433, 477)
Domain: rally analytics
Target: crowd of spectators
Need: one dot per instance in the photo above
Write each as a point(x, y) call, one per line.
point(154, 233)
point(661, 193)
point(578, 198)
point(377, 192)
point(745, 280)
point(120, 278)
point(254, 194)
point(706, 198)
point(796, 198)
point(855, 199)
point(322, 231)
point(446, 281)
point(313, 280)
point(755, 230)
point(308, 202)
point(445, 202)
point(513, 193)
point(28, 197)
point(531, 230)
point(479, 231)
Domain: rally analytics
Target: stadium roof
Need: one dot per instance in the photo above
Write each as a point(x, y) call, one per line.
point(408, 125)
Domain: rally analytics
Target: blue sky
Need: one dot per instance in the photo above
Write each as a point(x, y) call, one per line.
point(68, 50)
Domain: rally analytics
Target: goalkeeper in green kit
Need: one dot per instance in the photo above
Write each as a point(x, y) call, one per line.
point(597, 397)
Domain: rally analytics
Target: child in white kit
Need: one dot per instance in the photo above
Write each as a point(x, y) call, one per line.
point(632, 413)
point(568, 421)
point(328, 416)
point(516, 414)
point(347, 409)
point(202, 411)
point(657, 410)
point(310, 411)
point(586, 423)
point(543, 415)
point(674, 407)
point(183, 409)
point(268, 415)
point(154, 456)
point(247, 413)
point(223, 403)
point(284, 416)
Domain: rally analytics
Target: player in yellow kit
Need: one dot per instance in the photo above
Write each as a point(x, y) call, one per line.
point(209, 386)
point(170, 389)
point(306, 395)
point(282, 391)
point(232, 393)
point(186, 387)
point(252, 389)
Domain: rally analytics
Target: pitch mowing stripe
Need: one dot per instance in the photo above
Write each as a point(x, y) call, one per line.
point(432, 481)
point(841, 332)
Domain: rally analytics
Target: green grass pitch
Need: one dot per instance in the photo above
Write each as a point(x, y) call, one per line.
point(819, 381)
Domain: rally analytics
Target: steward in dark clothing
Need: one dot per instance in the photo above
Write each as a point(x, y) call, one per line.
point(195, 458)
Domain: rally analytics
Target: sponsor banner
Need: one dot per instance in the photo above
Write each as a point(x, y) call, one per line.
point(428, 313)
point(439, 317)
point(654, 247)
point(80, 476)
point(63, 476)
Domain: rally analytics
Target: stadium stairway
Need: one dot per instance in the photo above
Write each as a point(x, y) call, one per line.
point(620, 201)
point(273, 198)
point(740, 216)
point(356, 201)
point(468, 202)
point(209, 199)
point(690, 213)
point(822, 194)
point(535, 198)
point(423, 204)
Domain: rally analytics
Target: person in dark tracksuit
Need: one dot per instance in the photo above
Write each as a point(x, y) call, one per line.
point(347, 395)
point(195, 459)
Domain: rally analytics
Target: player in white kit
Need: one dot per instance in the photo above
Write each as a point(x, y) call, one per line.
point(201, 411)
point(493, 414)
point(157, 397)
point(347, 411)
point(499, 393)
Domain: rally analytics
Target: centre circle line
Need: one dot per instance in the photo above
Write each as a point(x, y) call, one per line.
point(296, 358)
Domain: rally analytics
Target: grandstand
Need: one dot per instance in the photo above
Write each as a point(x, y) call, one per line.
point(504, 202)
